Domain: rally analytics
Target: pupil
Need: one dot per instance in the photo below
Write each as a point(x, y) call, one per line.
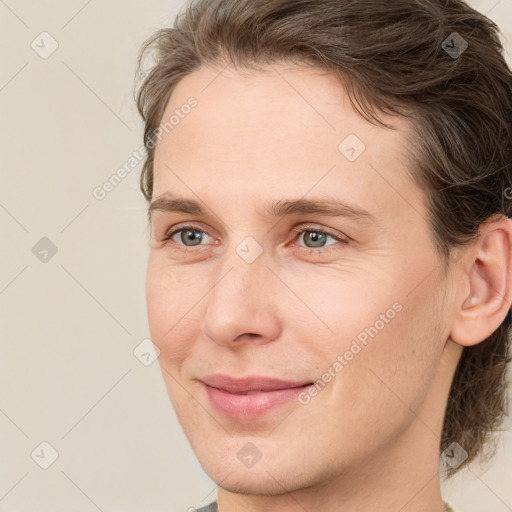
point(316, 237)
point(192, 236)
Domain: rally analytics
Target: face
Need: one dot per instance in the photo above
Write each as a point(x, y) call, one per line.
point(346, 309)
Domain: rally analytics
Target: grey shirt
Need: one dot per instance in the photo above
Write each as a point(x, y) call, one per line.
point(212, 507)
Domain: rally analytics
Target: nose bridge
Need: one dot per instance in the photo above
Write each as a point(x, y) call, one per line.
point(244, 265)
point(241, 301)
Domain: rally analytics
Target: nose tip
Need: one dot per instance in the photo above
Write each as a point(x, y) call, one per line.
point(240, 307)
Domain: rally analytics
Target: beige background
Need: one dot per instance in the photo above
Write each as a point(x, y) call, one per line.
point(69, 326)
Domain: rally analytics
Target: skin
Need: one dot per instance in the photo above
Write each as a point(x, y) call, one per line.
point(370, 439)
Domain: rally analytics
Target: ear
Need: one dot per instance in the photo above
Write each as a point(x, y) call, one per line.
point(484, 296)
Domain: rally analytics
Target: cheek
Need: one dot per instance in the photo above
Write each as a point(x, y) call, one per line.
point(399, 364)
point(378, 393)
point(386, 336)
point(342, 308)
point(171, 313)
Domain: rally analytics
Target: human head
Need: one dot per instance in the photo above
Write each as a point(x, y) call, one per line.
point(391, 61)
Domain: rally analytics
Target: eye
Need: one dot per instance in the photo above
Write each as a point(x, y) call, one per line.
point(317, 238)
point(190, 236)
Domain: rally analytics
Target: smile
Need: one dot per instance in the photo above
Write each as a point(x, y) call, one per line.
point(250, 398)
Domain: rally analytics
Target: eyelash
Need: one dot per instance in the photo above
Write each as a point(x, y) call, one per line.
point(297, 231)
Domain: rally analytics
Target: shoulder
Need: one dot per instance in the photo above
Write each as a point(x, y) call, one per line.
point(212, 507)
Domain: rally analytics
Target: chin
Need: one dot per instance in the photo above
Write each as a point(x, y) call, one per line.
point(264, 478)
point(253, 481)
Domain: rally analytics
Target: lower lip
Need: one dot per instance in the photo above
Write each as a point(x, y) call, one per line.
point(252, 406)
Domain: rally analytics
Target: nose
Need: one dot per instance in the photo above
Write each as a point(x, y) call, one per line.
point(243, 304)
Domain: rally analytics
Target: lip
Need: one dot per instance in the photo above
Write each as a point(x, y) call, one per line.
point(249, 398)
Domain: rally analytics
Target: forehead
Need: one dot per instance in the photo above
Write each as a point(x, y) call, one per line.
point(282, 128)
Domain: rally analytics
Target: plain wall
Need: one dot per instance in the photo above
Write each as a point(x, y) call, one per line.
point(69, 325)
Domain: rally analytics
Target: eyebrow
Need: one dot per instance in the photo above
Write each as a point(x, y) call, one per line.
point(321, 207)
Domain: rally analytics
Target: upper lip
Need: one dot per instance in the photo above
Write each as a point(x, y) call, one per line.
point(256, 383)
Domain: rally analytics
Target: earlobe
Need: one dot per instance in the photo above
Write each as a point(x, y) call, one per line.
point(487, 274)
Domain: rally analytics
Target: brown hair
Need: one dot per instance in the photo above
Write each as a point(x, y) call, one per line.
point(406, 58)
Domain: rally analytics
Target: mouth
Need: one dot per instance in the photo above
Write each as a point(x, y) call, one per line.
point(249, 398)
point(248, 385)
